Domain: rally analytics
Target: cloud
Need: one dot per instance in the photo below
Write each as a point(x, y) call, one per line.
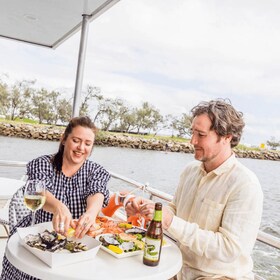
point(172, 54)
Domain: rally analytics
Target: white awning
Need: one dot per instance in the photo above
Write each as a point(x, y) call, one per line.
point(47, 22)
point(50, 22)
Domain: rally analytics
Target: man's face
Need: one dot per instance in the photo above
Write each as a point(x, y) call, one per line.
point(209, 147)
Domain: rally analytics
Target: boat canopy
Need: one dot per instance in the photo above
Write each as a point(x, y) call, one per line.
point(47, 22)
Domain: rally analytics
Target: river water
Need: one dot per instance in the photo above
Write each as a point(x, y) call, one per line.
point(162, 170)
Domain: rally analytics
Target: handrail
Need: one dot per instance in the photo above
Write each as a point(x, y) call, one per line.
point(263, 237)
point(13, 163)
point(268, 239)
point(143, 187)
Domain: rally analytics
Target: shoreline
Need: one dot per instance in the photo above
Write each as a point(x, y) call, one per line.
point(53, 133)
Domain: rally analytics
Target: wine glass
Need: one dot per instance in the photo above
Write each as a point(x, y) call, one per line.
point(34, 196)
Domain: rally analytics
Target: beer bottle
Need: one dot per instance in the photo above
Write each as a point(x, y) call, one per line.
point(153, 239)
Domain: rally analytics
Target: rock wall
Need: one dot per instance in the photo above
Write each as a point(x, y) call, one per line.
point(53, 133)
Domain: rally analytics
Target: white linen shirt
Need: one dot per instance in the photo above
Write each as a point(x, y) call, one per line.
point(218, 215)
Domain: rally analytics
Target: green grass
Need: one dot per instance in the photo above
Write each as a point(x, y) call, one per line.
point(25, 120)
point(148, 136)
point(245, 148)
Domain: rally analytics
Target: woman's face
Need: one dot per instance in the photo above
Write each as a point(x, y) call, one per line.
point(78, 145)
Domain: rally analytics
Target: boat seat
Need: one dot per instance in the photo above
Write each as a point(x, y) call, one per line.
point(4, 220)
point(17, 209)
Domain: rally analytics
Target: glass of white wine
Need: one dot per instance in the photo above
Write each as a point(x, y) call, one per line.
point(34, 196)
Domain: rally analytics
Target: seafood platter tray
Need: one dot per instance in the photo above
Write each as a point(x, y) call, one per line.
point(121, 239)
point(54, 249)
point(121, 245)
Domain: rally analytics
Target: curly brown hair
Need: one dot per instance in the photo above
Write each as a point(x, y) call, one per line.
point(224, 118)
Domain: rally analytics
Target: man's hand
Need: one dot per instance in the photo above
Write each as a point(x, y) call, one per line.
point(146, 208)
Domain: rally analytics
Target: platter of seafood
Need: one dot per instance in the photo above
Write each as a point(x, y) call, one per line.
point(104, 225)
point(124, 244)
point(54, 249)
point(127, 243)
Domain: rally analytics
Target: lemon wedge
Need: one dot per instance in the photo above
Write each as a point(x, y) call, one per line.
point(139, 244)
point(125, 225)
point(115, 249)
point(70, 232)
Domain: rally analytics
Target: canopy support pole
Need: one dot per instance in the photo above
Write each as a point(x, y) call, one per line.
point(81, 65)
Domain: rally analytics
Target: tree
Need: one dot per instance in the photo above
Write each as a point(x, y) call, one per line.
point(64, 110)
point(91, 93)
point(147, 117)
point(182, 124)
point(165, 123)
point(272, 143)
point(111, 112)
point(127, 120)
point(4, 98)
point(53, 115)
point(40, 105)
point(19, 98)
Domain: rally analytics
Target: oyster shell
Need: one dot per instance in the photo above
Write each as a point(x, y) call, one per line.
point(53, 242)
point(127, 246)
point(48, 238)
point(107, 240)
point(136, 231)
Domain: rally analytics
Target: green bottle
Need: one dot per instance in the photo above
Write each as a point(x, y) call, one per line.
point(153, 239)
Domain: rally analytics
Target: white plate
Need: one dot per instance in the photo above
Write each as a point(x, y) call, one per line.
point(126, 254)
point(59, 258)
point(119, 256)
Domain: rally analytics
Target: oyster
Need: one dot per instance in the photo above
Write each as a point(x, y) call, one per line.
point(35, 241)
point(32, 238)
point(107, 240)
point(75, 247)
point(136, 231)
point(53, 242)
point(127, 246)
point(48, 238)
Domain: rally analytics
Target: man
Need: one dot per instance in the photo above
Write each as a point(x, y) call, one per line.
point(216, 211)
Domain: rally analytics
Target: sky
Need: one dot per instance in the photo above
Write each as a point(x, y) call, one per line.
point(172, 54)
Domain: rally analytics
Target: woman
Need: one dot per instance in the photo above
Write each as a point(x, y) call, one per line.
point(76, 187)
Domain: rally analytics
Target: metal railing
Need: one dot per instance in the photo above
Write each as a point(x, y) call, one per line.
point(263, 237)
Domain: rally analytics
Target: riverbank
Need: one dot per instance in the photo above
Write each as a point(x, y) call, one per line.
point(53, 133)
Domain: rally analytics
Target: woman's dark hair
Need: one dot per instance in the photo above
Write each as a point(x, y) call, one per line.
point(224, 118)
point(74, 122)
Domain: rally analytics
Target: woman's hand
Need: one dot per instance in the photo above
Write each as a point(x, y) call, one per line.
point(61, 218)
point(85, 222)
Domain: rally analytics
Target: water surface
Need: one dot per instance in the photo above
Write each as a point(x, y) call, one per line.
point(162, 170)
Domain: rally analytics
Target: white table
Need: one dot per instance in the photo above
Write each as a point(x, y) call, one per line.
point(8, 187)
point(102, 267)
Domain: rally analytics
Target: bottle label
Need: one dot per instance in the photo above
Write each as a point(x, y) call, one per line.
point(158, 216)
point(152, 249)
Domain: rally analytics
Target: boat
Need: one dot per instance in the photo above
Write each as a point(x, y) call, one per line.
point(153, 194)
point(24, 20)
